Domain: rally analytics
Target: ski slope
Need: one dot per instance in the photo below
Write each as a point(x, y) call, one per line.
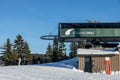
point(48, 72)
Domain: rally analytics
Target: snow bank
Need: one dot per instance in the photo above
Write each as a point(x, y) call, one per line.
point(71, 64)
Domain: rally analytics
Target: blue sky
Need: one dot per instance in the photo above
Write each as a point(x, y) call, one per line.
point(34, 18)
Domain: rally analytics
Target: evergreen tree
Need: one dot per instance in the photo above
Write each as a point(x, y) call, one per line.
point(62, 51)
point(73, 49)
point(7, 53)
point(55, 49)
point(27, 54)
point(19, 47)
point(49, 53)
point(59, 51)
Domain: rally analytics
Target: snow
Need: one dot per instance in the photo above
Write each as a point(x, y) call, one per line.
point(63, 70)
point(71, 64)
point(95, 52)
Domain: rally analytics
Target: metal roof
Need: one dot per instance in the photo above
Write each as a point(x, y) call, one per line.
point(90, 25)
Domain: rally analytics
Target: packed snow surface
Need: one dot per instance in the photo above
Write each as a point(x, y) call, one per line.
point(55, 72)
point(49, 73)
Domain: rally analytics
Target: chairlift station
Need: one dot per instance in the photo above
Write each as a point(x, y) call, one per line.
point(93, 32)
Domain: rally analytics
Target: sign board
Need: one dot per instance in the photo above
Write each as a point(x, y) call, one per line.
point(68, 32)
point(90, 32)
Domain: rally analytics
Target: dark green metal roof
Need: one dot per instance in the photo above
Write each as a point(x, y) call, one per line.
point(90, 25)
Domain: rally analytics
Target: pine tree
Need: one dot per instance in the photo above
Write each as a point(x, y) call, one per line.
point(73, 49)
point(61, 51)
point(7, 53)
point(49, 53)
point(49, 50)
point(55, 49)
point(27, 54)
point(19, 46)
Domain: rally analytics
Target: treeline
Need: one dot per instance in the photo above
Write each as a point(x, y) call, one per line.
point(57, 51)
point(17, 52)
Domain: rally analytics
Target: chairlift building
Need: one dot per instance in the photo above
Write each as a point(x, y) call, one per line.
point(101, 32)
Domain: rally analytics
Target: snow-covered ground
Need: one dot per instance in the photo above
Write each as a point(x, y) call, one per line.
point(71, 64)
point(51, 71)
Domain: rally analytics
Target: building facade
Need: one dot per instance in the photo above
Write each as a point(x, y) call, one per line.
point(95, 63)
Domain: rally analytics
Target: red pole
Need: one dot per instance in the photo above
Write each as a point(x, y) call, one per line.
point(107, 65)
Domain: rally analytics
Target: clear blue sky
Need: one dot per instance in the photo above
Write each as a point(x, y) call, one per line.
point(34, 18)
